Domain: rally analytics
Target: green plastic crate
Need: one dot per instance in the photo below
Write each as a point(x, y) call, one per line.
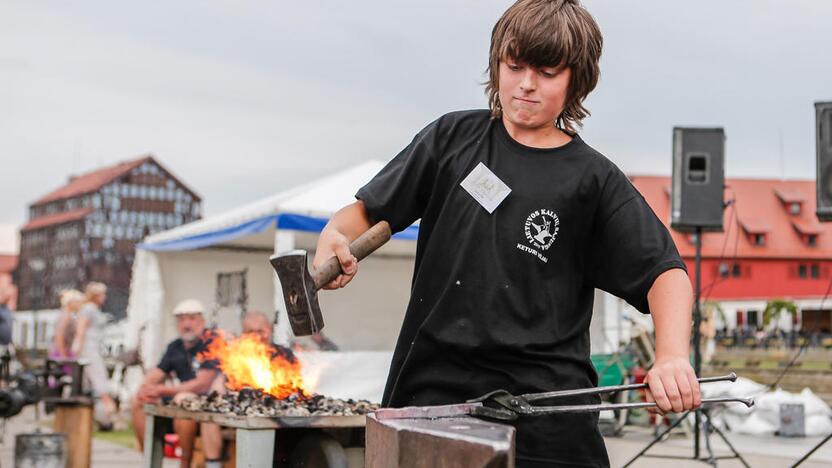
point(611, 369)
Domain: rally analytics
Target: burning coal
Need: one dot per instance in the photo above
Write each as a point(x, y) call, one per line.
point(250, 402)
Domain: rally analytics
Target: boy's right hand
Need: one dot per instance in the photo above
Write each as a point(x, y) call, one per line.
point(332, 243)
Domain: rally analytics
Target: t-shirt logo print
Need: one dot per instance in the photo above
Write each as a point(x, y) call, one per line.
point(542, 228)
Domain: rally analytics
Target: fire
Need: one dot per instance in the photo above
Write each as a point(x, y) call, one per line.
point(249, 362)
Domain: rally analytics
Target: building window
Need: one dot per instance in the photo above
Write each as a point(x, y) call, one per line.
point(808, 270)
point(759, 239)
point(728, 270)
point(794, 208)
point(812, 240)
point(753, 317)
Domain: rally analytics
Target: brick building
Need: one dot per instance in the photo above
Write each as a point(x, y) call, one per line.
point(87, 229)
point(772, 247)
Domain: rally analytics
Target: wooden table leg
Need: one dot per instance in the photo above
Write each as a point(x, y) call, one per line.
point(153, 442)
point(255, 448)
point(75, 420)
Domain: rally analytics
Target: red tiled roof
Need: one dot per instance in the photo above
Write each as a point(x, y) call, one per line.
point(758, 205)
point(790, 195)
point(57, 218)
point(8, 263)
point(755, 226)
point(92, 181)
point(808, 227)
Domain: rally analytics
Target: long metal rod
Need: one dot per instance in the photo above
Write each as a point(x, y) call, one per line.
point(613, 388)
point(541, 410)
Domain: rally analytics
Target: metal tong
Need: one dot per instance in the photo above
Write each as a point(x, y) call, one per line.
point(510, 407)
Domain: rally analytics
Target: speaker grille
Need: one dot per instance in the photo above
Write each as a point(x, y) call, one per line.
point(698, 179)
point(823, 116)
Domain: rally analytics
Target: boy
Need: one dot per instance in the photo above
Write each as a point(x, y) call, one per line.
point(520, 221)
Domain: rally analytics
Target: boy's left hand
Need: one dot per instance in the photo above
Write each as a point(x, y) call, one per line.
point(673, 385)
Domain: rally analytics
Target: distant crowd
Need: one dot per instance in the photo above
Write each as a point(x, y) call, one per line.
point(757, 337)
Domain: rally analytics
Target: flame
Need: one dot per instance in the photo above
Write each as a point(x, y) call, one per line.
point(249, 362)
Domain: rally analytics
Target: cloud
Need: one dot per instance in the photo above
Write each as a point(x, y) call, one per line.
point(244, 100)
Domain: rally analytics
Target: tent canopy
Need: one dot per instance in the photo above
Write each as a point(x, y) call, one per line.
point(306, 208)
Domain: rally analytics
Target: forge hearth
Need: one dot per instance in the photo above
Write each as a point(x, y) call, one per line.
point(253, 402)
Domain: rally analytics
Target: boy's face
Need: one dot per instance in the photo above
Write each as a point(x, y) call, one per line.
point(532, 98)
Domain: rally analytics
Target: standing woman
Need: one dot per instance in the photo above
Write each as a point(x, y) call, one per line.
point(91, 323)
point(67, 326)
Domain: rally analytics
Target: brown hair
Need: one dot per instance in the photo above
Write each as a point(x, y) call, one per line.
point(548, 33)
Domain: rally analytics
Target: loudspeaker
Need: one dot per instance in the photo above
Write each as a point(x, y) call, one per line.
point(698, 179)
point(823, 184)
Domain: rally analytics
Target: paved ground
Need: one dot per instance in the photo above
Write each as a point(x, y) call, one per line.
point(104, 454)
point(762, 452)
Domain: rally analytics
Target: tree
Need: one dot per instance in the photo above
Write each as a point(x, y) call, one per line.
point(717, 309)
point(776, 307)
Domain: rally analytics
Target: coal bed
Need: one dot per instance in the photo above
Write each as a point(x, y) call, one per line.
point(253, 402)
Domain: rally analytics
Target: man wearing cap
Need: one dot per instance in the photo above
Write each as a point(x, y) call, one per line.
point(178, 361)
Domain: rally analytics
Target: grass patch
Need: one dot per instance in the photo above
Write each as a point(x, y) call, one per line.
point(124, 437)
point(769, 364)
point(815, 365)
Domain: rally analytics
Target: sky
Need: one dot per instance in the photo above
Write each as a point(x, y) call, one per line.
point(244, 99)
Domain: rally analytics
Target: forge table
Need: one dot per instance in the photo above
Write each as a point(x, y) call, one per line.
point(256, 435)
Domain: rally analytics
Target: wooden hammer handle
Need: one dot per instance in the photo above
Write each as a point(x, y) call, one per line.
point(364, 245)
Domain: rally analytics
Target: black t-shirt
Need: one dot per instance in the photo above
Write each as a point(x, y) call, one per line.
point(504, 300)
point(183, 362)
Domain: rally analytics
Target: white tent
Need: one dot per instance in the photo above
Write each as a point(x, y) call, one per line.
point(185, 262)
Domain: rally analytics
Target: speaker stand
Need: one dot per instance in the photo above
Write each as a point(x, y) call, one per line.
point(700, 422)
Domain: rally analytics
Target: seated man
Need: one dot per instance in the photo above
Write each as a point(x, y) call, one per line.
point(178, 361)
point(254, 323)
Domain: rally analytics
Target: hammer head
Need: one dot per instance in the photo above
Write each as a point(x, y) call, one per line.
point(299, 292)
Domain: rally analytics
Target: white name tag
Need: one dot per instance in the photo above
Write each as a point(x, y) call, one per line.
point(486, 188)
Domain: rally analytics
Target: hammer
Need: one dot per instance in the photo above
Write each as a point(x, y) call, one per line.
point(300, 285)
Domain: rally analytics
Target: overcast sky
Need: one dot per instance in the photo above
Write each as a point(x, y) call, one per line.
point(243, 100)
